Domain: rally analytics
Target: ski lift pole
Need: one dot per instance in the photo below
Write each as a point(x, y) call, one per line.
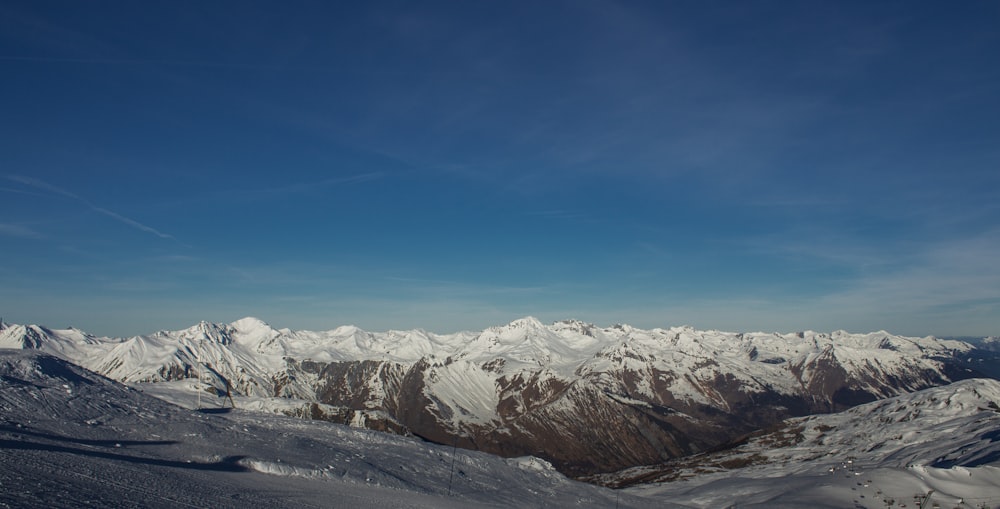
point(454, 452)
point(197, 386)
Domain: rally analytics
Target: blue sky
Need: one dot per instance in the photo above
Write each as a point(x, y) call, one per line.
point(746, 165)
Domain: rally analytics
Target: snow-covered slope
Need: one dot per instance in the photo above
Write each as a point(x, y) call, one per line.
point(66, 343)
point(991, 343)
point(71, 438)
point(944, 441)
point(610, 397)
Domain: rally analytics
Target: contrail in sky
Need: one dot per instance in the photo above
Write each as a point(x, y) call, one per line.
point(45, 186)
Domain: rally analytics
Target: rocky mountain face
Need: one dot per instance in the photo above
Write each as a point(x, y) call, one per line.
point(589, 399)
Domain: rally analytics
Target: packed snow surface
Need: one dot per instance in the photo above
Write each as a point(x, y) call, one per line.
point(71, 438)
point(940, 444)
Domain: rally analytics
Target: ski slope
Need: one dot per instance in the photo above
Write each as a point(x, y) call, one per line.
point(71, 438)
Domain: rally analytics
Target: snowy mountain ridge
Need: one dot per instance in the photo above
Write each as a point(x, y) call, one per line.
point(565, 344)
point(624, 396)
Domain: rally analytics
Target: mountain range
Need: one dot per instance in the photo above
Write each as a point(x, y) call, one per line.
point(72, 438)
point(585, 398)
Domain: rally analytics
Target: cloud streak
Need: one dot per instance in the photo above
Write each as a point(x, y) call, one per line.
point(16, 230)
point(945, 288)
point(306, 187)
point(955, 275)
point(311, 186)
point(45, 186)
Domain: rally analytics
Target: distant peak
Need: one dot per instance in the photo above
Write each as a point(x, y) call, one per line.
point(577, 326)
point(347, 330)
point(249, 322)
point(624, 327)
point(527, 322)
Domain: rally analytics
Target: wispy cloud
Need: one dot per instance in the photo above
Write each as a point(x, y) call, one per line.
point(306, 187)
point(459, 288)
point(949, 287)
point(131, 222)
point(945, 287)
point(18, 191)
point(556, 214)
point(143, 61)
point(174, 258)
point(45, 186)
point(312, 186)
point(826, 247)
point(952, 275)
point(16, 230)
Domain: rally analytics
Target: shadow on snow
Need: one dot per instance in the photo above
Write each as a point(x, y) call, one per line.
point(227, 464)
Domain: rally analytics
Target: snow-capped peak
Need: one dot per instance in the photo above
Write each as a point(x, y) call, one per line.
point(250, 323)
point(526, 323)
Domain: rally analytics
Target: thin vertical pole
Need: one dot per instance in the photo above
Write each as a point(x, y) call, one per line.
point(197, 355)
point(454, 452)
